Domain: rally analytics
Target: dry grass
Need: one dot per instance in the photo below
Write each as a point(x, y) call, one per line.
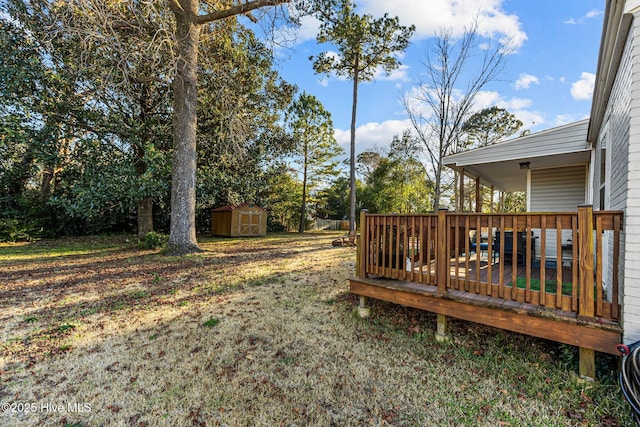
point(254, 332)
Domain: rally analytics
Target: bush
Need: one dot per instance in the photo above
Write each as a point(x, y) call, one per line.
point(15, 230)
point(154, 240)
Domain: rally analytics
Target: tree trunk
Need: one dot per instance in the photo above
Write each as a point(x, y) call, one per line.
point(48, 172)
point(145, 204)
point(182, 237)
point(352, 158)
point(145, 216)
point(437, 191)
point(303, 206)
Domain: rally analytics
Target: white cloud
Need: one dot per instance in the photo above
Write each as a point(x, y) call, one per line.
point(563, 119)
point(400, 73)
point(493, 21)
point(526, 80)
point(372, 134)
point(593, 13)
point(308, 29)
point(516, 106)
point(583, 89)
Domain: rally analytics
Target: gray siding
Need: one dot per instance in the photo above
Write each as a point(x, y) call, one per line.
point(624, 184)
point(625, 124)
point(557, 190)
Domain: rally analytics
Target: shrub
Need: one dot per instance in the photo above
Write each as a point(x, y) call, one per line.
point(154, 240)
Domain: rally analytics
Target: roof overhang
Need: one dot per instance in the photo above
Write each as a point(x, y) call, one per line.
point(617, 23)
point(504, 165)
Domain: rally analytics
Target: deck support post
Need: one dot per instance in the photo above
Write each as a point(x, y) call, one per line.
point(441, 328)
point(363, 310)
point(361, 247)
point(442, 255)
point(587, 364)
point(586, 305)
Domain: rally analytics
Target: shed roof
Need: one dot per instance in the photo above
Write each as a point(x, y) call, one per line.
point(498, 165)
point(234, 207)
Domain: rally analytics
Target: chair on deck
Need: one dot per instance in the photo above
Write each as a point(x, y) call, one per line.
point(508, 246)
point(484, 246)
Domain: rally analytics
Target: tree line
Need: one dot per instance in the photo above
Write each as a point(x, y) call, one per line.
point(105, 107)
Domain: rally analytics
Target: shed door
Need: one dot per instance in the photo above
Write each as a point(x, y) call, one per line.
point(249, 223)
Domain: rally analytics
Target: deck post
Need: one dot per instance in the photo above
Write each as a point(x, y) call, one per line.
point(362, 310)
point(585, 247)
point(461, 196)
point(587, 366)
point(441, 329)
point(585, 290)
point(442, 257)
point(478, 198)
point(361, 247)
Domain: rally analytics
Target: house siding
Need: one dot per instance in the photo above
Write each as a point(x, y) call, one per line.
point(557, 190)
point(625, 177)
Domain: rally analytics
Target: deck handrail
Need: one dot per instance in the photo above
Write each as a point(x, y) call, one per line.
point(543, 259)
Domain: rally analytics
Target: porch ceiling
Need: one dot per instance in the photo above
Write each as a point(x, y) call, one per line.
point(507, 176)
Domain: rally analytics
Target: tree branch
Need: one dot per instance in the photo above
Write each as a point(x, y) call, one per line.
point(175, 7)
point(243, 8)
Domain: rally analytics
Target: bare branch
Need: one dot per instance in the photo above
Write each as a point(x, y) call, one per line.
point(240, 9)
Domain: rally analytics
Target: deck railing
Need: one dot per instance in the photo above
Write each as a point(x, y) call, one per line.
point(565, 261)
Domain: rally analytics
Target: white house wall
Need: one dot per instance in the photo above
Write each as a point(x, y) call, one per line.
point(621, 128)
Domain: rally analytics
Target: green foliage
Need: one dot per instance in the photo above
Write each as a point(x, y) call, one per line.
point(363, 42)
point(241, 104)
point(211, 323)
point(333, 202)
point(78, 152)
point(14, 230)
point(489, 126)
point(396, 182)
point(364, 45)
point(312, 131)
point(154, 240)
point(282, 199)
point(515, 202)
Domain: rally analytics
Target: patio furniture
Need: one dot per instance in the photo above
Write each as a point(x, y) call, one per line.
point(484, 245)
point(508, 246)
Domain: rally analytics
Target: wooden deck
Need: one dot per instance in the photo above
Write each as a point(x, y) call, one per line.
point(525, 318)
point(425, 261)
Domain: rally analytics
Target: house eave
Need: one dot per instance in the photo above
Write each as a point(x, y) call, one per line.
point(617, 24)
point(504, 166)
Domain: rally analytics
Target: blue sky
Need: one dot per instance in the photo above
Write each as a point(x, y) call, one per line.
point(547, 82)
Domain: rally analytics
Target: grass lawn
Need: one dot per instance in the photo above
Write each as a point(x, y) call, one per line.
point(95, 331)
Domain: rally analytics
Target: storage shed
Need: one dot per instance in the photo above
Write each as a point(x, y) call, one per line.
point(239, 221)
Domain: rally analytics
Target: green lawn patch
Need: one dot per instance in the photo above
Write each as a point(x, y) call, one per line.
point(550, 286)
